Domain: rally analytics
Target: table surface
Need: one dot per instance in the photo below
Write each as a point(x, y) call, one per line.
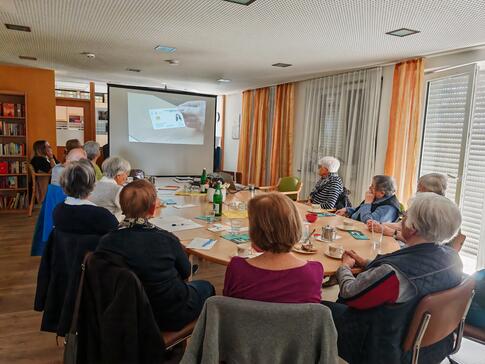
point(224, 250)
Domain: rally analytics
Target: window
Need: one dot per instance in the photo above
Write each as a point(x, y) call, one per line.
point(454, 144)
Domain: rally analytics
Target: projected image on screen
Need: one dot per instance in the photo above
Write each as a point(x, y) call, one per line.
point(153, 119)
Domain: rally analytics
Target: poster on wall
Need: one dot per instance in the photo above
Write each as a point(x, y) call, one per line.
point(236, 125)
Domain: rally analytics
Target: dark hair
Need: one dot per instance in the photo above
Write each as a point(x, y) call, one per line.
point(78, 179)
point(274, 222)
point(40, 149)
point(73, 144)
point(137, 197)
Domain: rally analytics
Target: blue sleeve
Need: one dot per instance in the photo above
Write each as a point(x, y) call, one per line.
point(350, 211)
point(381, 214)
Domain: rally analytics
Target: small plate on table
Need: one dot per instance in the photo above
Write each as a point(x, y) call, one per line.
point(299, 249)
point(318, 237)
point(345, 228)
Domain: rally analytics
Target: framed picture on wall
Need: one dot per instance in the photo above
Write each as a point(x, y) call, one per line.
point(236, 126)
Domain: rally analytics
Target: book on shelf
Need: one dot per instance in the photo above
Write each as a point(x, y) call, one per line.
point(13, 167)
point(17, 201)
point(13, 182)
point(9, 129)
point(12, 149)
point(8, 109)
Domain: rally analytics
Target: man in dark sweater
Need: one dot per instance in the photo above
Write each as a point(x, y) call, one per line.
point(157, 258)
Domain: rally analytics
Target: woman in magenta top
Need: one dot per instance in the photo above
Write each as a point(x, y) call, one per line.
point(276, 275)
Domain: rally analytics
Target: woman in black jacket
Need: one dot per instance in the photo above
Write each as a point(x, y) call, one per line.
point(157, 258)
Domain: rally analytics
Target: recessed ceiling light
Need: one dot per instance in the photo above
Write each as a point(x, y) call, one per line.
point(28, 58)
point(88, 54)
point(172, 62)
point(403, 32)
point(165, 49)
point(223, 80)
point(241, 2)
point(20, 28)
point(133, 70)
point(282, 65)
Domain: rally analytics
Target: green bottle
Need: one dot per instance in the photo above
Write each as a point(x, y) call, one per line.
point(217, 200)
point(203, 181)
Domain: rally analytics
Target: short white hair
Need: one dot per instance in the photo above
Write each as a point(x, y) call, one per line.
point(331, 163)
point(92, 149)
point(75, 154)
point(434, 217)
point(114, 166)
point(434, 182)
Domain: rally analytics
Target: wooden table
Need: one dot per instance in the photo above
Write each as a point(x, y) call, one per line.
point(223, 250)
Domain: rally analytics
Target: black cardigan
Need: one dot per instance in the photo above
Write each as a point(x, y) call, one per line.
point(84, 219)
point(158, 259)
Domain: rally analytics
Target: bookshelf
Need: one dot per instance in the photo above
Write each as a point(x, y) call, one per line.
point(14, 181)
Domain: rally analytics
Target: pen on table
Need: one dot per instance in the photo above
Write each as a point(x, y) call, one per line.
point(207, 243)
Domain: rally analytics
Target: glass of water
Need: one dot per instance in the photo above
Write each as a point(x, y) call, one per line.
point(236, 225)
point(377, 238)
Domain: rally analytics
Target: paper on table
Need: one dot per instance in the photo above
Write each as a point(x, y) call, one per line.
point(185, 206)
point(201, 243)
point(174, 223)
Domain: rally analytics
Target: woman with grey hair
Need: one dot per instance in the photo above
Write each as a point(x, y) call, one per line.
point(77, 214)
point(380, 203)
point(376, 306)
point(92, 151)
point(107, 191)
point(328, 189)
point(431, 182)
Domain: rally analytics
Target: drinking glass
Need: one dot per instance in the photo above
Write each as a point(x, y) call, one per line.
point(376, 239)
point(211, 215)
point(236, 225)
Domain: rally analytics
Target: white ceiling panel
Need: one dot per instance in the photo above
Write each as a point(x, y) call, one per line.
point(217, 39)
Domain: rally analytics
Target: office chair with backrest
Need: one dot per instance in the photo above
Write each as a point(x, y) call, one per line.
point(290, 186)
point(38, 191)
point(437, 316)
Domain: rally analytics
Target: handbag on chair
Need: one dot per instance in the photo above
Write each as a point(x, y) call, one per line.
point(71, 339)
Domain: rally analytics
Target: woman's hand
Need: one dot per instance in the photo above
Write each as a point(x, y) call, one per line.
point(369, 197)
point(374, 225)
point(358, 260)
point(342, 212)
point(348, 260)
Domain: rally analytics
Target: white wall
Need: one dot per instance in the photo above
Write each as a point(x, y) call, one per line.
point(231, 146)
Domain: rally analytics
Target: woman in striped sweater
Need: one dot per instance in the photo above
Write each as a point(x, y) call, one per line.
point(330, 186)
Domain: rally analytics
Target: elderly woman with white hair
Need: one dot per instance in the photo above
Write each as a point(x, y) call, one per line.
point(431, 182)
point(380, 203)
point(328, 189)
point(107, 190)
point(93, 153)
point(375, 308)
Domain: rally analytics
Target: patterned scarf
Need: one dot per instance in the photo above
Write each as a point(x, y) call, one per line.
point(140, 222)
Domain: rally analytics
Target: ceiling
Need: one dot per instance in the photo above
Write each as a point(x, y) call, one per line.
point(217, 39)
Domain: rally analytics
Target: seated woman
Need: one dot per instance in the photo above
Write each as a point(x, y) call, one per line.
point(431, 182)
point(380, 203)
point(107, 191)
point(43, 159)
point(93, 153)
point(73, 155)
point(330, 186)
point(377, 305)
point(77, 214)
point(276, 275)
point(157, 258)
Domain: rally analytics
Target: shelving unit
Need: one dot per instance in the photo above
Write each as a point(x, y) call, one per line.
point(14, 181)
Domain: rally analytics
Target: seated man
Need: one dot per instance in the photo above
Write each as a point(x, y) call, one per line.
point(157, 258)
point(379, 303)
point(380, 203)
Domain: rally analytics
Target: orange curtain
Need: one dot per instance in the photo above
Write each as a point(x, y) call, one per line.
point(403, 142)
point(266, 134)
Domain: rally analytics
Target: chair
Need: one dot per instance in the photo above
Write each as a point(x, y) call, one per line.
point(172, 338)
point(435, 318)
point(243, 331)
point(290, 186)
point(236, 176)
point(38, 188)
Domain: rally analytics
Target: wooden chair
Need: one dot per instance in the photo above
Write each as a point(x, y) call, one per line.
point(39, 187)
point(437, 316)
point(290, 186)
point(237, 176)
point(172, 338)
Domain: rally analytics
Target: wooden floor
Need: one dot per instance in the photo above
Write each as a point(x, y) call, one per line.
point(20, 339)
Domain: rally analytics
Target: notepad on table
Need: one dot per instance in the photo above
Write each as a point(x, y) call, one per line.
point(201, 243)
point(358, 235)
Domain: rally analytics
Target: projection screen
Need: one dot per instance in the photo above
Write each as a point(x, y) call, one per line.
point(164, 133)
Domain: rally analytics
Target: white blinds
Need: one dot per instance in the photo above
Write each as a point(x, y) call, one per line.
point(443, 129)
point(474, 179)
